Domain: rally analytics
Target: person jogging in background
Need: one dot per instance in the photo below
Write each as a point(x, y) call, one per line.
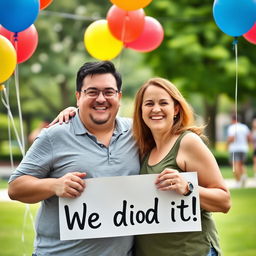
point(238, 145)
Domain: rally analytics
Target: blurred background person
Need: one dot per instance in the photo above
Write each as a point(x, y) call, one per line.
point(238, 145)
point(254, 145)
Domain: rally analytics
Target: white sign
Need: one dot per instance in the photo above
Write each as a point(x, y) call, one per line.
point(128, 205)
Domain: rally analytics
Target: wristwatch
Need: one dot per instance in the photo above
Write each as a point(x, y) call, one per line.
point(190, 189)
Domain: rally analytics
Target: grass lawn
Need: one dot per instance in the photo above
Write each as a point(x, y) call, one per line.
point(11, 229)
point(237, 229)
point(228, 173)
point(3, 184)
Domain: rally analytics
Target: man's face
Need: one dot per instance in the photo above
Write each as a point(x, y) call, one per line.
point(98, 112)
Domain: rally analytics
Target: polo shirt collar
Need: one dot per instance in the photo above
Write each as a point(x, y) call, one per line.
point(120, 127)
point(78, 125)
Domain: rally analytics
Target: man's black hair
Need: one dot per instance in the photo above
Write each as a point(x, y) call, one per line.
point(99, 67)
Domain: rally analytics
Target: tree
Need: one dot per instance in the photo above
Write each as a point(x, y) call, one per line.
point(198, 57)
point(47, 79)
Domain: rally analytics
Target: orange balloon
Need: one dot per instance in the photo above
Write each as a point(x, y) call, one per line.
point(44, 3)
point(130, 5)
point(125, 25)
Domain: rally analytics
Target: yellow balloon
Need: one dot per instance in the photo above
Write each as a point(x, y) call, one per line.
point(8, 59)
point(130, 5)
point(99, 41)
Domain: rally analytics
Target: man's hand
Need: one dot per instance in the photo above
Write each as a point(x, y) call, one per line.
point(70, 185)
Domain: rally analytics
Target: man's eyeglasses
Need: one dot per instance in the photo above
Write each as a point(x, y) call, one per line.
point(94, 93)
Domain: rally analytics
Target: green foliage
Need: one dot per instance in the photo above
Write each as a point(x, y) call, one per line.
point(47, 79)
point(195, 55)
point(199, 57)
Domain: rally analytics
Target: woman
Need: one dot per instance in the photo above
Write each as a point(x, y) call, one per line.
point(170, 144)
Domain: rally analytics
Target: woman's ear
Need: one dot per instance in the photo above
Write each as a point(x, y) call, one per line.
point(176, 109)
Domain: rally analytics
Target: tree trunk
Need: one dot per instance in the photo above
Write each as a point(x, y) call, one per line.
point(211, 109)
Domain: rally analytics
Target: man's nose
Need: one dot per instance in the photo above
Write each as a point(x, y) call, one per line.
point(101, 97)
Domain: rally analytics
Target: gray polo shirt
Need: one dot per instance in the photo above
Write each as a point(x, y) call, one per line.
point(67, 148)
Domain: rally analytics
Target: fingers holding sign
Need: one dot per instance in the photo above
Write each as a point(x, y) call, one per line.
point(170, 179)
point(70, 185)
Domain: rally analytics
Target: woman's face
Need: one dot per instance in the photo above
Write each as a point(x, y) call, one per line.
point(158, 109)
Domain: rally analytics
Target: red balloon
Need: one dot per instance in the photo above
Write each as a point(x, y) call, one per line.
point(125, 25)
point(26, 44)
point(44, 3)
point(250, 36)
point(151, 37)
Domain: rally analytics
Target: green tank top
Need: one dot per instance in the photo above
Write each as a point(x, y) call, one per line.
point(182, 243)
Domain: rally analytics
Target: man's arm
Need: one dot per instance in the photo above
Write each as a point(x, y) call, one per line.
point(230, 139)
point(29, 189)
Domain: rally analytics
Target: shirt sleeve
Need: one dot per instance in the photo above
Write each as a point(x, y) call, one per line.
point(38, 160)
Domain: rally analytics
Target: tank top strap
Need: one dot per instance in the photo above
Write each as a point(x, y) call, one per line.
point(176, 146)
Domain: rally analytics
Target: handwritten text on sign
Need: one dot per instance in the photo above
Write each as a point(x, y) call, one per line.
point(130, 205)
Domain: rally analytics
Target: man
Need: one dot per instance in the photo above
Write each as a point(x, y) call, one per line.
point(238, 139)
point(95, 143)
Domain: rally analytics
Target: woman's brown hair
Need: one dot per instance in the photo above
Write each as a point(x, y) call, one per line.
point(182, 122)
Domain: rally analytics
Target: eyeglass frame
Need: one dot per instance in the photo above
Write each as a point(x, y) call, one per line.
point(100, 91)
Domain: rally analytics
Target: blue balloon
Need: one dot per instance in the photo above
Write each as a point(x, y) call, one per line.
point(234, 17)
point(18, 15)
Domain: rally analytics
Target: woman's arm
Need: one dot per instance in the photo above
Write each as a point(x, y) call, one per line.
point(194, 155)
point(64, 116)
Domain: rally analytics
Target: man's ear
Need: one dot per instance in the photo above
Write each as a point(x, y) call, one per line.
point(120, 95)
point(78, 95)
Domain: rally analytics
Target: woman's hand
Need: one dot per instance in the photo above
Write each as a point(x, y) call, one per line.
point(64, 116)
point(170, 179)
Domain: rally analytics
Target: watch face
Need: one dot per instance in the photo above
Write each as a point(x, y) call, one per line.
point(190, 186)
point(190, 189)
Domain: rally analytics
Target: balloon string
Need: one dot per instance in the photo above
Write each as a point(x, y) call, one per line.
point(16, 75)
point(7, 105)
point(27, 212)
point(68, 15)
point(235, 45)
point(122, 39)
point(124, 27)
point(17, 87)
point(9, 131)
